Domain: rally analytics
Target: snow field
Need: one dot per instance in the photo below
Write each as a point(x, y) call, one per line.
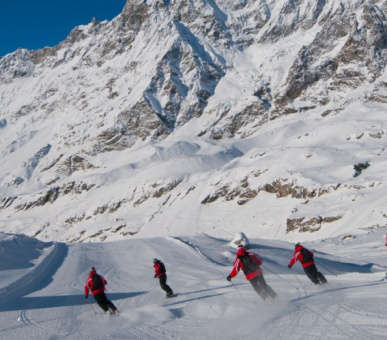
point(47, 301)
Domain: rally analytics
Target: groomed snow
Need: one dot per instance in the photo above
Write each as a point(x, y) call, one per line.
point(47, 302)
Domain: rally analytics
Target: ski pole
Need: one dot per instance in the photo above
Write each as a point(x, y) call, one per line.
point(91, 305)
point(278, 276)
point(324, 267)
point(299, 281)
point(303, 287)
point(241, 295)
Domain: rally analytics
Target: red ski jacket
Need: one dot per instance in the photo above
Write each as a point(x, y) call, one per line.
point(89, 285)
point(253, 271)
point(299, 257)
point(159, 269)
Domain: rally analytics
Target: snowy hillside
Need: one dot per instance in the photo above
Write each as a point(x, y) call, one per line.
point(183, 117)
point(47, 301)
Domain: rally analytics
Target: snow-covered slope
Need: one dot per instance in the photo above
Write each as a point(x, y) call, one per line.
point(200, 116)
point(50, 303)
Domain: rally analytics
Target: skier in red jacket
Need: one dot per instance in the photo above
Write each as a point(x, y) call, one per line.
point(306, 258)
point(96, 284)
point(160, 273)
point(250, 263)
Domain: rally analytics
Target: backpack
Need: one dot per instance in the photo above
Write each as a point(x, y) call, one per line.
point(97, 282)
point(249, 265)
point(306, 255)
point(162, 267)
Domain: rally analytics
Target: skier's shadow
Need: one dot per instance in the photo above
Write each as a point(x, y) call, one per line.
point(194, 299)
point(205, 296)
point(207, 289)
point(41, 302)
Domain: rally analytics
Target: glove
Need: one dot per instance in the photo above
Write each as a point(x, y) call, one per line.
point(289, 266)
point(229, 278)
point(86, 296)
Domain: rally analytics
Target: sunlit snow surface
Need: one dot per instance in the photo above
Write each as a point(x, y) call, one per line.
point(41, 283)
point(60, 112)
point(45, 300)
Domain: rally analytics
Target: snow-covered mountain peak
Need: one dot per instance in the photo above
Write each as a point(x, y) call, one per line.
point(208, 113)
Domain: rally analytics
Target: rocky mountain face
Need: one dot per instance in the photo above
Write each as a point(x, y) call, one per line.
point(187, 106)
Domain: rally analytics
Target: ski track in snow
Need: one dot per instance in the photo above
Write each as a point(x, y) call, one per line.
point(48, 301)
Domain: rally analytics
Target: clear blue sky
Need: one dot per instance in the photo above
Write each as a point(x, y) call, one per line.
point(34, 24)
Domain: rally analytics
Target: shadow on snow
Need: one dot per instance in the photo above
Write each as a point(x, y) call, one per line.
point(325, 265)
point(41, 302)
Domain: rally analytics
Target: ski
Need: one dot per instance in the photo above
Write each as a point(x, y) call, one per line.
point(171, 296)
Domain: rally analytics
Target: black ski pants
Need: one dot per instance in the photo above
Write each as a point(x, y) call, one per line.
point(262, 288)
point(163, 284)
point(103, 302)
point(314, 275)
